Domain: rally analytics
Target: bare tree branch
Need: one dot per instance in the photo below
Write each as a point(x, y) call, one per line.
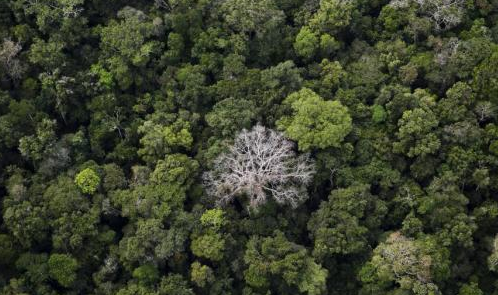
point(164, 4)
point(261, 162)
point(9, 52)
point(484, 110)
point(444, 13)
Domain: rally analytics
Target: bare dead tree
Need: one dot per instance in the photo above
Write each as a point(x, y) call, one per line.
point(332, 174)
point(447, 51)
point(493, 258)
point(484, 110)
point(405, 259)
point(9, 51)
point(260, 163)
point(164, 4)
point(444, 13)
point(66, 9)
point(61, 88)
point(113, 122)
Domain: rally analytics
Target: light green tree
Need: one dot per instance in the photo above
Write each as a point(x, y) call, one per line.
point(62, 268)
point(200, 274)
point(315, 123)
point(88, 181)
point(276, 257)
point(158, 139)
point(306, 43)
point(417, 134)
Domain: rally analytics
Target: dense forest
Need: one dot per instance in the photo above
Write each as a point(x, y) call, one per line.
point(252, 147)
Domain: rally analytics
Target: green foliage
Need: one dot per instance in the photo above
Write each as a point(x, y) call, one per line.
point(48, 12)
point(214, 218)
point(19, 121)
point(146, 274)
point(124, 167)
point(332, 74)
point(128, 37)
point(175, 47)
point(171, 284)
point(484, 78)
point(35, 147)
point(328, 44)
point(306, 43)
point(35, 271)
point(332, 15)
point(200, 274)
point(125, 44)
point(174, 284)
point(416, 136)
point(231, 115)
point(47, 54)
point(470, 289)
point(413, 264)
point(247, 16)
point(7, 250)
point(342, 224)
point(158, 201)
point(175, 169)
point(114, 177)
point(315, 123)
point(158, 140)
point(150, 238)
point(62, 268)
point(276, 257)
point(88, 181)
point(378, 114)
point(104, 77)
point(210, 246)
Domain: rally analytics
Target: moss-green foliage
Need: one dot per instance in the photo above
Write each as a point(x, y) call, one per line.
point(315, 123)
point(146, 274)
point(213, 218)
point(306, 43)
point(209, 246)
point(470, 289)
point(341, 225)
point(201, 274)
point(275, 259)
point(88, 181)
point(63, 269)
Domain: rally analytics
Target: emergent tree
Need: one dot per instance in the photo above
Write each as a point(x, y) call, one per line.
point(260, 162)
